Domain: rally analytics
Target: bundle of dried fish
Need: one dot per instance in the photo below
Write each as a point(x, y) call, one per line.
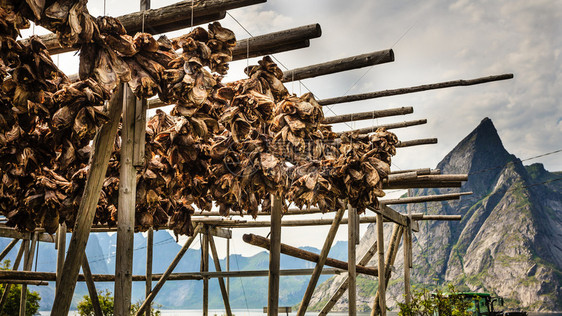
point(268, 77)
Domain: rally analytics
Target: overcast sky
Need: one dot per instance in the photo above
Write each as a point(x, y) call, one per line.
point(433, 41)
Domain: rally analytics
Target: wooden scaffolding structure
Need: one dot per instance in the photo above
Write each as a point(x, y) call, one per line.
point(210, 224)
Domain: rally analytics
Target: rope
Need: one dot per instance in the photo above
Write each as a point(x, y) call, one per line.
point(191, 29)
point(241, 283)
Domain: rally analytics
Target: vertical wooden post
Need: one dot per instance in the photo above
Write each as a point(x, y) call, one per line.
point(91, 287)
point(228, 265)
point(27, 264)
point(149, 255)
point(8, 248)
point(102, 147)
point(274, 256)
point(407, 249)
point(220, 279)
point(126, 213)
point(345, 282)
point(141, 105)
point(321, 261)
point(148, 301)
point(205, 268)
point(14, 268)
point(61, 250)
point(380, 242)
point(391, 253)
point(351, 258)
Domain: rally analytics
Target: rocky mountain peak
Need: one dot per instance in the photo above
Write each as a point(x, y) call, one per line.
point(480, 153)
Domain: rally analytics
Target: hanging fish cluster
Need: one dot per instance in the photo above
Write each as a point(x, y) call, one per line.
point(229, 144)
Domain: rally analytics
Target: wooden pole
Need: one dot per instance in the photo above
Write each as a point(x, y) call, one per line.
point(407, 249)
point(338, 65)
point(305, 255)
point(165, 19)
point(27, 264)
point(433, 86)
point(91, 287)
point(102, 148)
point(368, 115)
point(351, 258)
point(380, 242)
point(425, 198)
point(148, 301)
point(416, 142)
point(205, 268)
point(8, 248)
point(126, 212)
point(9, 276)
point(389, 262)
point(389, 126)
point(321, 261)
point(222, 286)
point(61, 250)
point(228, 265)
point(7, 287)
point(345, 283)
point(149, 257)
point(272, 42)
point(274, 256)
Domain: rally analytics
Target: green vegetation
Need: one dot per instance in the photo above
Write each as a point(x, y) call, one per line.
point(86, 308)
point(426, 303)
point(12, 305)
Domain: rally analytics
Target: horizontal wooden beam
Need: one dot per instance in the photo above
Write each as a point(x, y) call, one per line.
point(339, 65)
point(390, 214)
point(425, 87)
point(303, 254)
point(423, 184)
point(389, 126)
point(416, 142)
point(275, 42)
point(31, 277)
point(10, 232)
point(424, 198)
point(419, 171)
point(370, 115)
point(169, 18)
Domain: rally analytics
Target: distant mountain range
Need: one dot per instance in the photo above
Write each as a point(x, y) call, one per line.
point(509, 243)
point(244, 292)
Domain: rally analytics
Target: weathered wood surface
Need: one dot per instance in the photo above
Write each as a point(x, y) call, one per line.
point(149, 258)
point(303, 254)
point(389, 263)
point(8, 276)
point(10, 232)
point(339, 65)
point(345, 282)
point(61, 249)
point(126, 208)
point(381, 267)
point(222, 285)
point(425, 87)
point(416, 142)
point(425, 198)
point(8, 248)
point(205, 268)
point(91, 287)
point(272, 42)
point(165, 19)
point(368, 115)
point(148, 301)
point(351, 260)
point(388, 126)
point(321, 261)
point(274, 255)
point(102, 148)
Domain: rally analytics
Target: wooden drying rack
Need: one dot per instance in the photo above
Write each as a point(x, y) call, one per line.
point(209, 224)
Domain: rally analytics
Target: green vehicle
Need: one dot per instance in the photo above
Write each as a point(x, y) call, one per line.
point(484, 304)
